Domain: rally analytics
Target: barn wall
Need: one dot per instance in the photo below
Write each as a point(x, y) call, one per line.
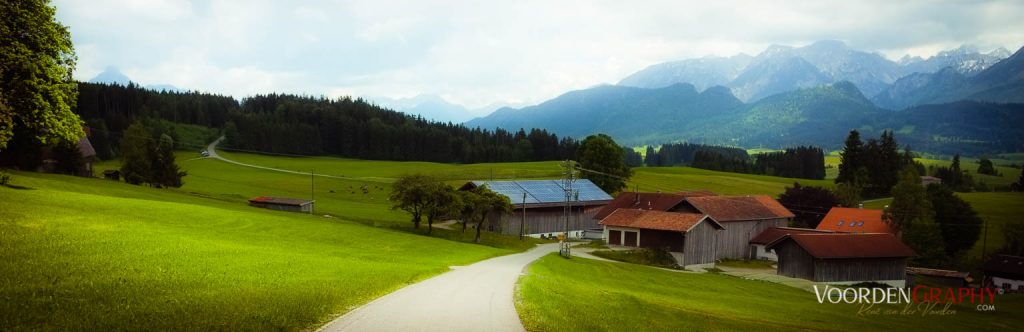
point(544, 220)
point(794, 261)
point(700, 244)
point(734, 241)
point(860, 269)
point(672, 241)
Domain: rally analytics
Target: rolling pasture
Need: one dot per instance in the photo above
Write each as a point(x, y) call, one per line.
point(577, 294)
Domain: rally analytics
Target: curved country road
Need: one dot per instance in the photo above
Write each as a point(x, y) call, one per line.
point(212, 149)
point(477, 297)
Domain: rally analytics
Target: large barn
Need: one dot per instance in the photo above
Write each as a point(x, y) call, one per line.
point(689, 237)
point(543, 203)
point(743, 217)
point(844, 258)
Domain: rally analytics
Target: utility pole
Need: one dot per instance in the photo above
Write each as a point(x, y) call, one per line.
point(312, 191)
point(570, 177)
point(522, 224)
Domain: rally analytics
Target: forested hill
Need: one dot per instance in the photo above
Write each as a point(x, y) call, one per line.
point(312, 126)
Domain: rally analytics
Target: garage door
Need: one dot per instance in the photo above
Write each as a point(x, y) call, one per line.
point(630, 239)
point(614, 237)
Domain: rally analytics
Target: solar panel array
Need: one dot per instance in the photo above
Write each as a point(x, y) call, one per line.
point(545, 191)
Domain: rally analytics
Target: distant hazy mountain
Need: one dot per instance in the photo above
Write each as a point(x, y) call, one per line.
point(782, 68)
point(630, 113)
point(1001, 82)
point(702, 73)
point(966, 60)
point(113, 75)
point(429, 106)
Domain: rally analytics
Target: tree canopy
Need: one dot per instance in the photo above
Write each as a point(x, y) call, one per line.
point(37, 59)
point(809, 204)
point(600, 153)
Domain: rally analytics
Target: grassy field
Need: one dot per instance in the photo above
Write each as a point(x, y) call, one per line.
point(91, 254)
point(673, 179)
point(577, 294)
point(1007, 174)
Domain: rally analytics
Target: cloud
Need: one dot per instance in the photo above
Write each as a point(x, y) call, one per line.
point(479, 53)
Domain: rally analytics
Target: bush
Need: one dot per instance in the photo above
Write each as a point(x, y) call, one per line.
point(4, 179)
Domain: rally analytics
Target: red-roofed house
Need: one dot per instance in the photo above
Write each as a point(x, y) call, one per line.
point(689, 237)
point(845, 258)
point(759, 242)
point(742, 216)
point(854, 220)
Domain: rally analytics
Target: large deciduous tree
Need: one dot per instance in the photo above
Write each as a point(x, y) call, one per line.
point(809, 204)
point(912, 216)
point(441, 201)
point(37, 59)
point(410, 194)
point(959, 224)
point(600, 153)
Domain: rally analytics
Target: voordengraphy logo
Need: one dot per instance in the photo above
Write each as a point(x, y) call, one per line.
point(920, 300)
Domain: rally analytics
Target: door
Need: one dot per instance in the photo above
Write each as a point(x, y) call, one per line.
point(630, 239)
point(614, 237)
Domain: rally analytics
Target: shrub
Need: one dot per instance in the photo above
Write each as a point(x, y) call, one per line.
point(4, 179)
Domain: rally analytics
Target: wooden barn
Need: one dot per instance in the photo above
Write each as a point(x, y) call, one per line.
point(689, 237)
point(854, 220)
point(936, 277)
point(845, 258)
point(743, 217)
point(759, 242)
point(283, 204)
point(542, 202)
point(1005, 272)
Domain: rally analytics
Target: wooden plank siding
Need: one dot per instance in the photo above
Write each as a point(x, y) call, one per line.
point(860, 269)
point(794, 261)
point(734, 241)
point(699, 244)
point(543, 220)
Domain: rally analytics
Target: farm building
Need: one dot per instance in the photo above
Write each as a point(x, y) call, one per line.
point(758, 243)
point(542, 202)
point(283, 204)
point(927, 180)
point(845, 258)
point(742, 216)
point(854, 220)
point(84, 147)
point(1004, 271)
point(935, 277)
point(689, 237)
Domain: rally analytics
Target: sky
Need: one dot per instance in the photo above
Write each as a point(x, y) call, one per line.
point(480, 53)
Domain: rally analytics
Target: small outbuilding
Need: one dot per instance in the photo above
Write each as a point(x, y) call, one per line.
point(283, 204)
point(936, 277)
point(690, 238)
point(843, 258)
point(112, 174)
point(758, 243)
point(927, 180)
point(1005, 272)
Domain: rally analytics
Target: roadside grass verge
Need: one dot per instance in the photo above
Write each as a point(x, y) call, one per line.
point(747, 264)
point(587, 295)
point(645, 256)
point(91, 254)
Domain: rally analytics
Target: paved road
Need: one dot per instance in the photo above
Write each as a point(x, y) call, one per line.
point(212, 149)
point(477, 297)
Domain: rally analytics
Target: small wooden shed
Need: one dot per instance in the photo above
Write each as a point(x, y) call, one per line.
point(843, 257)
point(691, 238)
point(936, 277)
point(283, 204)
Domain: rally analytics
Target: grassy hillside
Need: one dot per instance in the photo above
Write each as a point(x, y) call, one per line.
point(586, 295)
point(673, 179)
point(93, 254)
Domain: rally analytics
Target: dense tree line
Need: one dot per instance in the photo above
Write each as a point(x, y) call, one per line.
point(713, 160)
point(873, 167)
point(354, 128)
point(683, 154)
point(806, 162)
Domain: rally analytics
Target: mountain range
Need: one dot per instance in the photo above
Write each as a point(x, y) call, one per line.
point(788, 96)
point(433, 107)
point(113, 75)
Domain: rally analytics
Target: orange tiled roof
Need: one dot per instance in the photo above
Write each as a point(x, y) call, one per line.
point(659, 220)
point(736, 208)
point(854, 220)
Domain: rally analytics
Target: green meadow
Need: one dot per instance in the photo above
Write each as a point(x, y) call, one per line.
point(92, 254)
point(579, 294)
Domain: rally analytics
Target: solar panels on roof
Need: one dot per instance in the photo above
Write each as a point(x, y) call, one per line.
point(545, 191)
